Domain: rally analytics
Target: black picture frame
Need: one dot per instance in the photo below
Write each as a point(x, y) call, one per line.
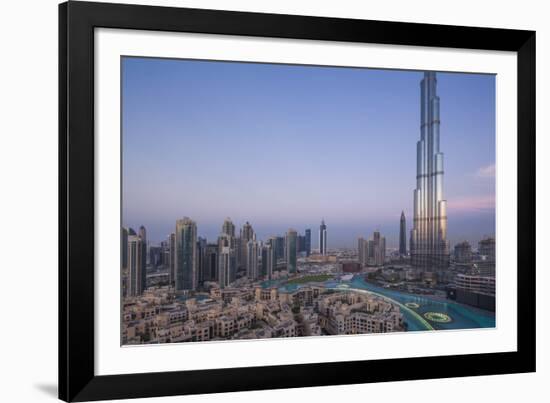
point(77, 21)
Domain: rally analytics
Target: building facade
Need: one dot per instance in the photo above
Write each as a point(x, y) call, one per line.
point(402, 235)
point(227, 266)
point(134, 285)
point(372, 252)
point(143, 236)
point(186, 262)
point(323, 238)
point(486, 249)
point(291, 250)
point(308, 241)
point(252, 259)
point(429, 245)
point(211, 262)
point(463, 252)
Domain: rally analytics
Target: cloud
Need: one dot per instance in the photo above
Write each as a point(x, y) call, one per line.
point(486, 171)
point(472, 204)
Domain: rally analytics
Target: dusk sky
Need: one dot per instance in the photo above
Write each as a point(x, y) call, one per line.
point(284, 146)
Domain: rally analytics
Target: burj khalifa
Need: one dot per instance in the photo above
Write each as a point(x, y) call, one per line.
point(428, 244)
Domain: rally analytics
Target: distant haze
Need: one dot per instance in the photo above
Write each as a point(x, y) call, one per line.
point(286, 146)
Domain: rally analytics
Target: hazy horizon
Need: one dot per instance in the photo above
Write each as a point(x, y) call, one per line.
point(285, 146)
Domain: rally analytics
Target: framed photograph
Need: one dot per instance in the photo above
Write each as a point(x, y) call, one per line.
point(257, 201)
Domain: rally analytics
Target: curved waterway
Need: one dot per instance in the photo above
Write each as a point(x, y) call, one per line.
point(413, 306)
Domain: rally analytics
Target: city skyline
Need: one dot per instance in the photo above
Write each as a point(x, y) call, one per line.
point(154, 196)
point(238, 283)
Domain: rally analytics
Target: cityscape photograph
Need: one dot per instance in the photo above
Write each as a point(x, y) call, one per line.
point(270, 200)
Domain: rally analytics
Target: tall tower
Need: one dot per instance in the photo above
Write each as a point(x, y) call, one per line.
point(227, 262)
point(143, 236)
point(135, 266)
point(429, 246)
point(269, 258)
point(308, 242)
point(252, 258)
point(246, 235)
point(186, 264)
point(362, 249)
point(172, 247)
point(124, 247)
point(402, 235)
point(228, 228)
point(291, 249)
point(323, 238)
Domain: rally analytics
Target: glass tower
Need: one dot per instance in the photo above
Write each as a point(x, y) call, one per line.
point(323, 238)
point(429, 246)
point(186, 255)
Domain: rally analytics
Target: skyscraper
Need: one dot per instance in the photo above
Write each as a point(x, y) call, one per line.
point(211, 262)
point(278, 244)
point(486, 248)
point(252, 271)
point(308, 242)
point(301, 243)
point(172, 264)
point(463, 252)
point(323, 238)
point(402, 235)
point(124, 247)
point(228, 228)
point(143, 236)
point(362, 251)
point(186, 264)
point(246, 234)
point(379, 249)
point(227, 263)
point(269, 258)
point(429, 245)
point(201, 260)
point(291, 250)
point(135, 255)
point(372, 252)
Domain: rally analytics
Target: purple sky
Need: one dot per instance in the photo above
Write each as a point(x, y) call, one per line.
point(285, 146)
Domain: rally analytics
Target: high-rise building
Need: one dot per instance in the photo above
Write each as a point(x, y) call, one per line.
point(269, 259)
point(155, 256)
point(172, 263)
point(165, 254)
point(246, 234)
point(186, 264)
point(379, 249)
point(323, 238)
point(362, 251)
point(486, 249)
point(308, 242)
point(134, 285)
point(143, 236)
point(372, 252)
point(429, 245)
point(486, 264)
point(402, 235)
point(278, 243)
point(227, 262)
point(291, 250)
point(463, 252)
point(124, 248)
point(301, 243)
point(252, 259)
point(228, 228)
point(201, 260)
point(211, 262)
